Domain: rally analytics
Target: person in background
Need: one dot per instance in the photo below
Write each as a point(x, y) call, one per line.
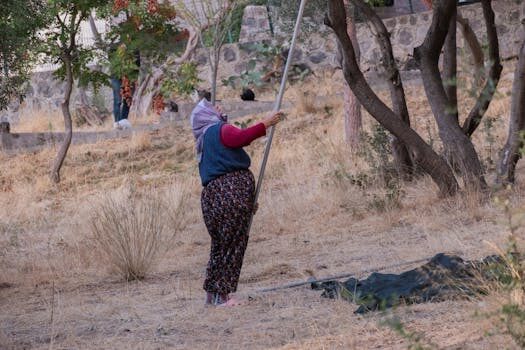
point(123, 90)
point(227, 197)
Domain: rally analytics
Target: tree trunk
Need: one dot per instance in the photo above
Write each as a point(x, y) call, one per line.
point(214, 66)
point(475, 47)
point(147, 89)
point(485, 97)
point(471, 39)
point(450, 66)
point(352, 108)
point(402, 160)
point(455, 142)
point(421, 152)
point(510, 154)
point(93, 26)
point(68, 127)
point(148, 86)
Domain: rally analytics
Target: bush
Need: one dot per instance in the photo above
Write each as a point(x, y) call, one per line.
point(134, 230)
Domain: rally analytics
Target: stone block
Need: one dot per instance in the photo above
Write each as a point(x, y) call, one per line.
point(230, 54)
point(255, 25)
point(317, 57)
point(405, 37)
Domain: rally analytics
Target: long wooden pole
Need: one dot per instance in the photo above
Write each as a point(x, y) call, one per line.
point(343, 275)
point(278, 103)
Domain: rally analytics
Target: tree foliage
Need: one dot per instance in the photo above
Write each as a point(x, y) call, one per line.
point(143, 27)
point(19, 22)
point(60, 42)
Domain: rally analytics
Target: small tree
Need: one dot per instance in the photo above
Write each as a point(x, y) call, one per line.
point(458, 146)
point(471, 40)
point(352, 108)
point(513, 150)
point(60, 43)
point(212, 20)
point(423, 155)
point(19, 22)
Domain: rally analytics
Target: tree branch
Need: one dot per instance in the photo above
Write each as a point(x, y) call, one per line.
point(472, 41)
point(397, 93)
point(458, 147)
point(485, 97)
point(438, 30)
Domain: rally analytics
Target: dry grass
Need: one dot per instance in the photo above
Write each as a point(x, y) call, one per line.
point(140, 142)
point(311, 221)
point(134, 230)
point(39, 121)
point(53, 121)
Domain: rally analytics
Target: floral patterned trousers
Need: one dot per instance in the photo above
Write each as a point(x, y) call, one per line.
point(227, 205)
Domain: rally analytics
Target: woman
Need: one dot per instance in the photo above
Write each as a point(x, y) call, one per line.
point(228, 196)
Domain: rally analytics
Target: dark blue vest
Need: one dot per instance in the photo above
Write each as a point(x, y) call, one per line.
point(218, 159)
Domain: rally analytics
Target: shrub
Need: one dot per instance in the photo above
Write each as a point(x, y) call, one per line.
point(134, 230)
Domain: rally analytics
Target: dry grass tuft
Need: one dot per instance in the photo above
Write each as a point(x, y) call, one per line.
point(133, 230)
point(306, 103)
point(39, 121)
point(140, 142)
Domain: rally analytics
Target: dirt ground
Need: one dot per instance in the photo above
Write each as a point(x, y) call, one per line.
point(58, 292)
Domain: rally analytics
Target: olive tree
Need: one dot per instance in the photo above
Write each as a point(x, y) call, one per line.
point(59, 43)
point(455, 137)
point(513, 149)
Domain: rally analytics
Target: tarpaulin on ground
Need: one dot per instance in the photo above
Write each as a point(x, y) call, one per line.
point(444, 277)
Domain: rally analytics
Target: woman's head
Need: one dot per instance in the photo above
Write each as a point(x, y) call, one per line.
point(203, 116)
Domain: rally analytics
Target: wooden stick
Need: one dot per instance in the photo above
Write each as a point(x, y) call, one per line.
point(336, 277)
point(278, 103)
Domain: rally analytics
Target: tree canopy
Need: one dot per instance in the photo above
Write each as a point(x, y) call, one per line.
point(19, 23)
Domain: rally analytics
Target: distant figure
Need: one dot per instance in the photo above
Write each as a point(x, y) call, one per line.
point(247, 95)
point(198, 95)
point(5, 128)
point(204, 94)
point(123, 90)
point(228, 194)
point(173, 106)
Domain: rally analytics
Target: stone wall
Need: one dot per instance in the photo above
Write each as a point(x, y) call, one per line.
point(409, 31)
point(401, 8)
point(318, 49)
point(45, 93)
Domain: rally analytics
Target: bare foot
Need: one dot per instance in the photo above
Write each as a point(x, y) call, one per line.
point(231, 303)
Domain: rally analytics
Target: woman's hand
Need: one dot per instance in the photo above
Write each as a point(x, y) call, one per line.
point(273, 119)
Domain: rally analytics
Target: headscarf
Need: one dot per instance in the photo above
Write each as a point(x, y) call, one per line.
point(204, 116)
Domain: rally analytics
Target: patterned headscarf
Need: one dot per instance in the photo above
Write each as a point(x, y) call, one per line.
point(203, 116)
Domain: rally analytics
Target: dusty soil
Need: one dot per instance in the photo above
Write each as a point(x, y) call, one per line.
point(57, 291)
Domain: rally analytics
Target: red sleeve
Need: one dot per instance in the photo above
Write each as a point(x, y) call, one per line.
point(234, 137)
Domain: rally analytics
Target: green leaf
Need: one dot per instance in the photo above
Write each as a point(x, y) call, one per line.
point(251, 65)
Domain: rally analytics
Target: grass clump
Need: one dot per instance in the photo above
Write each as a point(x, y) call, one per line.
point(133, 230)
